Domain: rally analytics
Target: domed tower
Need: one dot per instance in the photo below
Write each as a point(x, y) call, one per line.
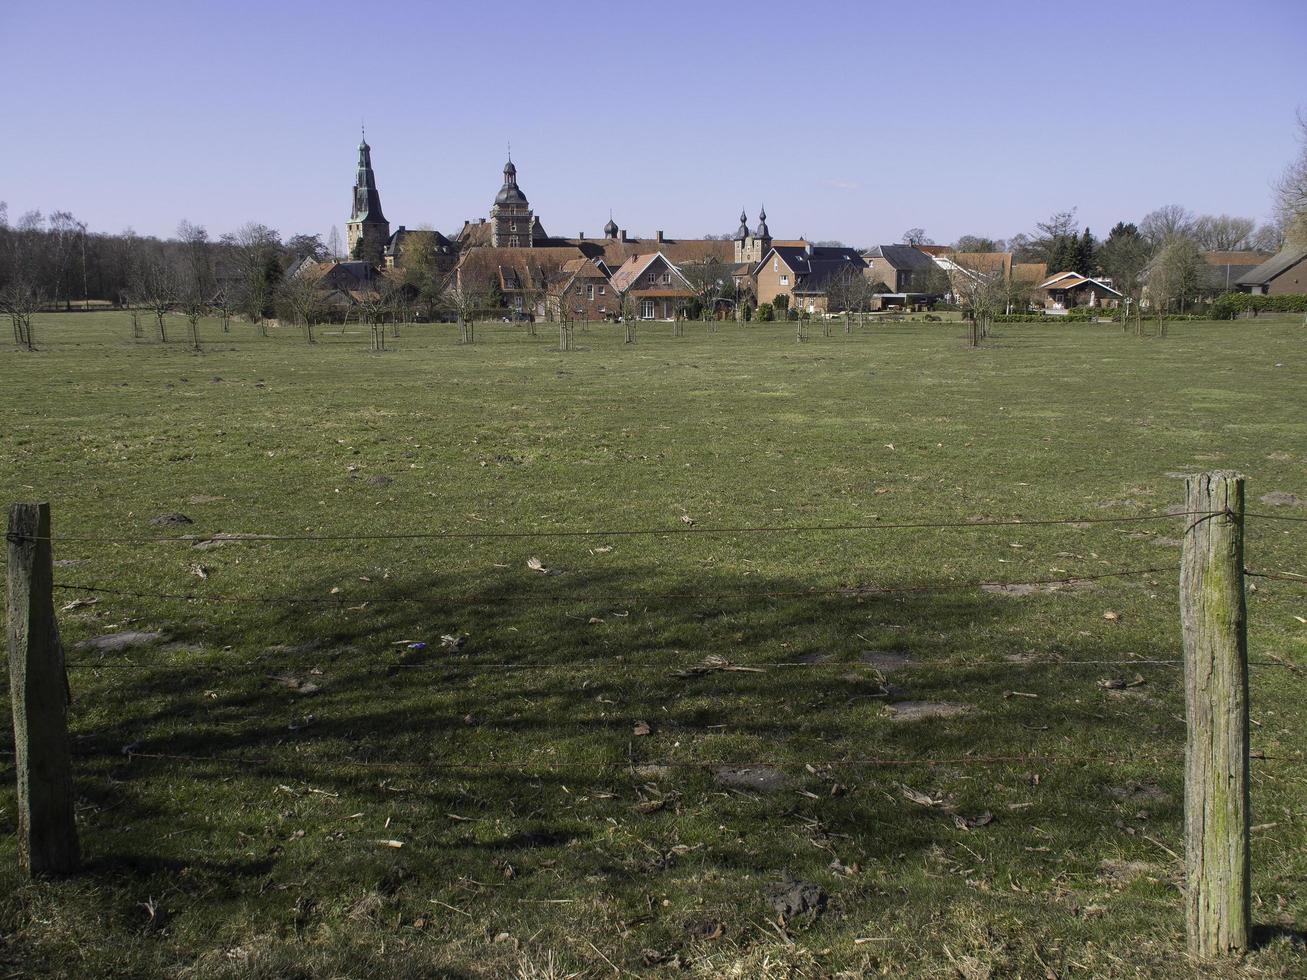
point(367, 231)
point(741, 238)
point(752, 248)
point(610, 229)
point(511, 219)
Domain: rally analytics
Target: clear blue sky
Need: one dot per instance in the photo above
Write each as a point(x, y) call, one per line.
point(849, 120)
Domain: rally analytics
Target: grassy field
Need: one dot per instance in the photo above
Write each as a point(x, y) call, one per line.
point(568, 803)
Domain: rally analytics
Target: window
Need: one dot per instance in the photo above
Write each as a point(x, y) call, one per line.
point(601, 291)
point(512, 241)
point(589, 292)
point(775, 265)
point(785, 280)
point(652, 278)
point(667, 278)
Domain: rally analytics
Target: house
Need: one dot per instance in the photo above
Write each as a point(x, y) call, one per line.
point(803, 273)
point(583, 291)
point(1223, 270)
point(897, 268)
point(1278, 275)
point(651, 287)
point(518, 279)
point(1067, 290)
point(408, 246)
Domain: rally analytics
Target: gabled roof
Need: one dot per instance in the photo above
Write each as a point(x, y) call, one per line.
point(1275, 266)
point(902, 257)
point(814, 270)
point(1074, 280)
point(1242, 257)
point(1029, 271)
point(512, 266)
point(634, 267)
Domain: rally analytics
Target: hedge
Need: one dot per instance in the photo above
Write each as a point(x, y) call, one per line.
point(1230, 305)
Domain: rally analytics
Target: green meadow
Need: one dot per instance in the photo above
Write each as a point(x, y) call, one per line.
point(490, 748)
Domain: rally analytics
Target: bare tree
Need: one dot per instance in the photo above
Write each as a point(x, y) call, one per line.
point(916, 236)
point(255, 252)
point(157, 287)
point(20, 300)
point(1222, 232)
point(1173, 276)
point(1291, 188)
point(1167, 222)
point(982, 290)
point(303, 297)
point(848, 292)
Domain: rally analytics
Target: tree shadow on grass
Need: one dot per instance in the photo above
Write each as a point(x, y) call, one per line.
point(518, 748)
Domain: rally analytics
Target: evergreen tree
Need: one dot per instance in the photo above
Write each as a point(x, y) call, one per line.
point(1085, 249)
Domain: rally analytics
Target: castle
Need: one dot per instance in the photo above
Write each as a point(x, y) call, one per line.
point(513, 224)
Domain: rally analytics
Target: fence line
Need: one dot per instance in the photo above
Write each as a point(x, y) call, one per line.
point(250, 537)
point(851, 592)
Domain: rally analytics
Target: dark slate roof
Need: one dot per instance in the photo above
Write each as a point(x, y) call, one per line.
point(1272, 267)
point(798, 258)
point(903, 257)
point(813, 271)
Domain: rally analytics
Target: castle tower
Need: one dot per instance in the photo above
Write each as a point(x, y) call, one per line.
point(741, 237)
point(511, 220)
point(752, 248)
point(367, 231)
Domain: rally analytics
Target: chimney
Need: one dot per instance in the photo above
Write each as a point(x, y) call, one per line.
point(808, 248)
point(481, 221)
point(658, 235)
point(621, 235)
point(580, 236)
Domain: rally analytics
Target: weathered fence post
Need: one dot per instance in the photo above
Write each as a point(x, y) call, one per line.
point(1216, 803)
point(47, 834)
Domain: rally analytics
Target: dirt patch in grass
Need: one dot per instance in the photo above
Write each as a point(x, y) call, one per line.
point(117, 642)
point(1280, 498)
point(765, 779)
point(923, 710)
point(887, 661)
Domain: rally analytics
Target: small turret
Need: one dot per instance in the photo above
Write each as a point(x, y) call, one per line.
point(742, 232)
point(763, 231)
point(610, 229)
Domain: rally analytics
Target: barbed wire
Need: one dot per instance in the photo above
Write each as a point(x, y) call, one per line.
point(635, 765)
point(248, 537)
point(689, 670)
point(1293, 577)
point(852, 592)
point(1276, 517)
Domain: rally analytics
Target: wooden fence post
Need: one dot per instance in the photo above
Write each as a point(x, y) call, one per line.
point(1216, 798)
point(47, 833)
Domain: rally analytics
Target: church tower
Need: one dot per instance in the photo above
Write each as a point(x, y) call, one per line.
point(367, 231)
point(752, 248)
point(511, 220)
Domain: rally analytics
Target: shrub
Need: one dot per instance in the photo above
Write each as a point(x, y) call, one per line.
point(1229, 305)
point(763, 313)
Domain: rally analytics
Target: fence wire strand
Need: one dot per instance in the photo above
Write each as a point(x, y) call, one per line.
point(851, 592)
point(251, 538)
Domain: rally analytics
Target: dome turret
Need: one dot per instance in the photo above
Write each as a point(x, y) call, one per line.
point(610, 229)
point(742, 232)
point(763, 231)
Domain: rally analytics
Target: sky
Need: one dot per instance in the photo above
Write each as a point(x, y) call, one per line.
point(849, 120)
